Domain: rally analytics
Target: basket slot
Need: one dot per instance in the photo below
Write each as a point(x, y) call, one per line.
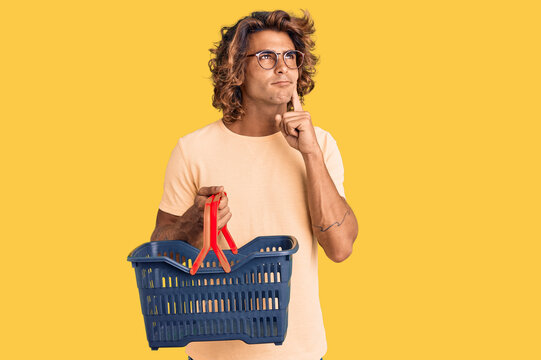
point(258, 327)
point(270, 327)
point(242, 327)
point(155, 332)
point(168, 331)
point(222, 303)
point(236, 302)
point(142, 279)
point(265, 273)
point(153, 306)
point(156, 281)
point(181, 329)
point(248, 304)
point(270, 298)
point(182, 304)
point(263, 328)
point(162, 307)
point(202, 327)
point(241, 302)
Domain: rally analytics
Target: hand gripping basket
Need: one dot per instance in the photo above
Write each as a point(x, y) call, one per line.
point(248, 303)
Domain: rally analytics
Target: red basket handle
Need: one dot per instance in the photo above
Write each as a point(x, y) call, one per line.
point(210, 234)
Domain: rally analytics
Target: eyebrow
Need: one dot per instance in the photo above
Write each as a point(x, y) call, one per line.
point(274, 50)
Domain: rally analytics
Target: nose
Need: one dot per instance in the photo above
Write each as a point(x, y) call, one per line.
point(281, 67)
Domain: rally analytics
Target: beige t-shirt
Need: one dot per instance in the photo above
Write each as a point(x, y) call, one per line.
point(265, 180)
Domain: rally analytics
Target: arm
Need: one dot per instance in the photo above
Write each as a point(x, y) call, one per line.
point(334, 221)
point(189, 226)
point(185, 227)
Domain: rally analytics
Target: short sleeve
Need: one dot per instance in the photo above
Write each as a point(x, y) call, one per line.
point(333, 161)
point(179, 189)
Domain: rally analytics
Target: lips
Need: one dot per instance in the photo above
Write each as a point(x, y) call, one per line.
point(281, 82)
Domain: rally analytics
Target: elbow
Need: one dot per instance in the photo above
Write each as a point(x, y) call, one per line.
point(338, 258)
point(342, 255)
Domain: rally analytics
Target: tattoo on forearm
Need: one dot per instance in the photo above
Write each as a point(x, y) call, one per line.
point(322, 229)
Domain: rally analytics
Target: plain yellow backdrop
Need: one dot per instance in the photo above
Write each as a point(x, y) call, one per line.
point(435, 108)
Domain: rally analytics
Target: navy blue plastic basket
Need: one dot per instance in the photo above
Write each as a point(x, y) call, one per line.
point(250, 303)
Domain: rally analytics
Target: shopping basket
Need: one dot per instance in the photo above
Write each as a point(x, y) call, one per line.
point(249, 303)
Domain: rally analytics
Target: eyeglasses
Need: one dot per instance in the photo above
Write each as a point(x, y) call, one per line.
point(268, 59)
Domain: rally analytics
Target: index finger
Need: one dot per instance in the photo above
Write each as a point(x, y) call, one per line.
point(297, 106)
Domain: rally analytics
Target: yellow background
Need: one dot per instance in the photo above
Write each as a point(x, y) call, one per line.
point(435, 108)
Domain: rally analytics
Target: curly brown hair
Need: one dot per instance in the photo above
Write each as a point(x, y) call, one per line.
point(229, 61)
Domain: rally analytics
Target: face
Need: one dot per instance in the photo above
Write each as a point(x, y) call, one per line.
point(272, 87)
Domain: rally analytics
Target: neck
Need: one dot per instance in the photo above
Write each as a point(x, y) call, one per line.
point(258, 120)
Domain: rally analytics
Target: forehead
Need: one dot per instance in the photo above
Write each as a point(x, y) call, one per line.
point(269, 39)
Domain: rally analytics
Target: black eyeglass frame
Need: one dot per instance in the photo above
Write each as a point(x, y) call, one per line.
point(257, 54)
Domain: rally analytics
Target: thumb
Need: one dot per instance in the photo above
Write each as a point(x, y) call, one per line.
point(210, 190)
point(278, 119)
point(278, 124)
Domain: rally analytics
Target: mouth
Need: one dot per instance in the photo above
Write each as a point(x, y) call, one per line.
point(282, 83)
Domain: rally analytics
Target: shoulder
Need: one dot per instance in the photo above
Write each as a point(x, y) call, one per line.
point(199, 137)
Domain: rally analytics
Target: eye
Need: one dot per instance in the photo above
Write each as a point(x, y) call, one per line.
point(290, 55)
point(266, 55)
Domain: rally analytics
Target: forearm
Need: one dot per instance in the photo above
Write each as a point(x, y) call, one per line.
point(186, 228)
point(333, 220)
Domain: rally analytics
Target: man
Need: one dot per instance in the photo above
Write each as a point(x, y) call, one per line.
point(282, 175)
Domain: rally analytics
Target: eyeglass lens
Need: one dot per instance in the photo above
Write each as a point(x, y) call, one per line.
point(293, 59)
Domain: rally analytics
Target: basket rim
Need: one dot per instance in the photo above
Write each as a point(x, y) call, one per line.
point(244, 258)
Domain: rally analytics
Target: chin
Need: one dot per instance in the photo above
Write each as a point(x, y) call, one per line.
point(278, 100)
